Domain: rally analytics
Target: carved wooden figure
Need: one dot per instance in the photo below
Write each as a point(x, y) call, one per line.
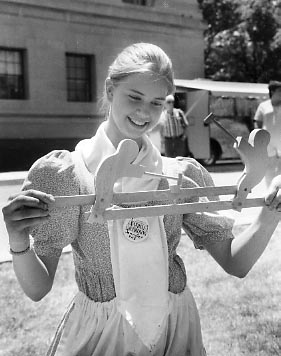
point(112, 168)
point(255, 157)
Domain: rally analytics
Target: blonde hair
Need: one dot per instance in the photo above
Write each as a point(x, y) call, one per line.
point(140, 58)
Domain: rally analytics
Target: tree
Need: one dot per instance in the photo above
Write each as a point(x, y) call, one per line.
point(228, 56)
point(242, 41)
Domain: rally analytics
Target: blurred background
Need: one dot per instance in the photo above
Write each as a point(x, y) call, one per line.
point(54, 56)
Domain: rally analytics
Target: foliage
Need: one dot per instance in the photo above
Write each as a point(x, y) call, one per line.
point(243, 40)
point(218, 14)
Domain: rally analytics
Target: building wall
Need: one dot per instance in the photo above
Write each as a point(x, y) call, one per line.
point(49, 29)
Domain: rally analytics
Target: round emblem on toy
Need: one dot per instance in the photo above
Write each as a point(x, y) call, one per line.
point(136, 230)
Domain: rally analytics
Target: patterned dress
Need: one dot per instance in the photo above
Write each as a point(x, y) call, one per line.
point(91, 325)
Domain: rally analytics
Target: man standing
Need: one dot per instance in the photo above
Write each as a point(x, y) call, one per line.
point(268, 117)
point(174, 125)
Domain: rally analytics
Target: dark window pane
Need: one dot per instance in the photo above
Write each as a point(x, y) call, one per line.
point(78, 68)
point(140, 2)
point(11, 74)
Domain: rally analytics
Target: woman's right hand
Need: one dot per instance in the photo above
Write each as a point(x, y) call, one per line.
point(23, 211)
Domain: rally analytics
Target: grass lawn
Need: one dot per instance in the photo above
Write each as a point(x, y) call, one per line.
point(239, 317)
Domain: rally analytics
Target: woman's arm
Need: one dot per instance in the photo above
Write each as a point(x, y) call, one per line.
point(25, 210)
point(238, 256)
point(35, 274)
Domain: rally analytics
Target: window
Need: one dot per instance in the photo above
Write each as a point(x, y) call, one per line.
point(140, 2)
point(12, 81)
point(79, 77)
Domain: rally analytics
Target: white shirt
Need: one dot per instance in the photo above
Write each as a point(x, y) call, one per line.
point(270, 117)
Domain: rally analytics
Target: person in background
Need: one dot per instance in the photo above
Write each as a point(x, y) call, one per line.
point(174, 126)
point(268, 117)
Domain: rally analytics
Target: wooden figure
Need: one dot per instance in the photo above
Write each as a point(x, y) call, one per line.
point(112, 168)
point(255, 157)
point(105, 201)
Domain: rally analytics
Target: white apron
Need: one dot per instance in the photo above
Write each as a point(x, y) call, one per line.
point(139, 253)
point(144, 319)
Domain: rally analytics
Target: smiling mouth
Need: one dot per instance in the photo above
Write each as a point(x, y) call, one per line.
point(137, 122)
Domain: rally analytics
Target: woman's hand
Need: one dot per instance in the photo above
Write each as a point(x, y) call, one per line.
point(23, 211)
point(273, 196)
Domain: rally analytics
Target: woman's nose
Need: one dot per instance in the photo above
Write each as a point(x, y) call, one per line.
point(143, 112)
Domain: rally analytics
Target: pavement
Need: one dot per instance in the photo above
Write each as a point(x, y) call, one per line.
point(13, 181)
point(12, 178)
point(10, 183)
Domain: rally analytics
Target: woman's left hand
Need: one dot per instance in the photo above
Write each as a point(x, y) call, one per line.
point(273, 195)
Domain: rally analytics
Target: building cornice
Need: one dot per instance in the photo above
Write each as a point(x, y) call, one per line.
point(87, 11)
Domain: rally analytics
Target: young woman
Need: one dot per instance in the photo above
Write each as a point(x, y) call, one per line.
point(133, 298)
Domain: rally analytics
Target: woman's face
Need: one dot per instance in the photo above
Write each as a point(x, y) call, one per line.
point(136, 106)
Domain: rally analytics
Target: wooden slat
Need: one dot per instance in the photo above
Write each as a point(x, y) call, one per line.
point(158, 210)
point(135, 197)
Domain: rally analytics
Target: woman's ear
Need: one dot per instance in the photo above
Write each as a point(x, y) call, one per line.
point(109, 89)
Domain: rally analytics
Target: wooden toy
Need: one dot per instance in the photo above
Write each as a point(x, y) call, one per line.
point(106, 204)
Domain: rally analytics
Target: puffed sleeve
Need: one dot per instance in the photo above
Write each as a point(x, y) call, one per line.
point(54, 174)
point(201, 227)
point(205, 227)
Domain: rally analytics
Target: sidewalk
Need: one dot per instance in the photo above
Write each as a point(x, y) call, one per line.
point(10, 183)
point(10, 178)
point(15, 179)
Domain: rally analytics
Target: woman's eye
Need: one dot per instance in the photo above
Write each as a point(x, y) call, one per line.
point(133, 97)
point(157, 103)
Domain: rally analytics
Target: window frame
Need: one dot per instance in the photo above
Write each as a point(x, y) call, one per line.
point(22, 84)
point(147, 3)
point(86, 77)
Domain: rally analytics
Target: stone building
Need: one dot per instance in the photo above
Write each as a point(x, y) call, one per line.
point(54, 56)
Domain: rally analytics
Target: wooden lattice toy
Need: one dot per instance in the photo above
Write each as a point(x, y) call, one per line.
point(105, 202)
